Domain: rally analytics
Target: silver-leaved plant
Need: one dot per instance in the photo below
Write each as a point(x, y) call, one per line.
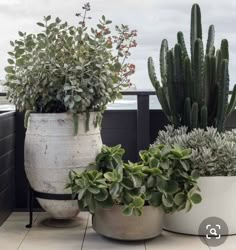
point(213, 153)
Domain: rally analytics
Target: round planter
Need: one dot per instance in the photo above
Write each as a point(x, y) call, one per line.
point(111, 223)
point(218, 200)
point(52, 150)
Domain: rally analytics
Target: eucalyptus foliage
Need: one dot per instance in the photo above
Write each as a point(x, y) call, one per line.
point(213, 152)
point(69, 68)
point(163, 178)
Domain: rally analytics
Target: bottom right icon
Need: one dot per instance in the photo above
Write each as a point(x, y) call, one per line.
point(214, 231)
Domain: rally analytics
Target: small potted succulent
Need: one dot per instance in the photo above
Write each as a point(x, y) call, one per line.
point(128, 200)
point(63, 77)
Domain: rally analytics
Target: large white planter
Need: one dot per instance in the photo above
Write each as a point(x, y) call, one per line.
point(113, 224)
point(52, 150)
point(218, 200)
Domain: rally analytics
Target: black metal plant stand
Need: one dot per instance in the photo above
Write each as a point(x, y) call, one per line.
point(32, 194)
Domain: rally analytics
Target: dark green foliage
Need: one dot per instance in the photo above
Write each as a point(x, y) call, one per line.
point(194, 89)
point(163, 178)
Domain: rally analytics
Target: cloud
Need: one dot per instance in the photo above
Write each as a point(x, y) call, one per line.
point(153, 19)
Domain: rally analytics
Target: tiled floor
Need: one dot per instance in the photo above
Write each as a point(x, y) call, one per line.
point(14, 236)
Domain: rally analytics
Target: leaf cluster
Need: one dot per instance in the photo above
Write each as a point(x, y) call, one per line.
point(162, 178)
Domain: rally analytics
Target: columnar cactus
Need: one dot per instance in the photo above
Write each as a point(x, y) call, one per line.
point(194, 90)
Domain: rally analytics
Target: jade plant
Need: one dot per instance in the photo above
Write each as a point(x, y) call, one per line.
point(162, 178)
point(194, 89)
point(70, 68)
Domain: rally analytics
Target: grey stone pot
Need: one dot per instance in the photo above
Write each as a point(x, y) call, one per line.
point(111, 223)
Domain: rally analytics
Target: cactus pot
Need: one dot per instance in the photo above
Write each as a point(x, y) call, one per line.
point(52, 150)
point(218, 200)
point(113, 224)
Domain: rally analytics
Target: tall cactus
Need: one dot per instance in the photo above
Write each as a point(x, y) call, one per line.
point(194, 90)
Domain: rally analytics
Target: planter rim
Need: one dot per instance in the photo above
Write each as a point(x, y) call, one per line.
point(56, 116)
point(217, 177)
point(62, 113)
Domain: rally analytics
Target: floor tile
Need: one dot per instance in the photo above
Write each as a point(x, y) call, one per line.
point(171, 241)
point(21, 216)
point(12, 233)
point(41, 237)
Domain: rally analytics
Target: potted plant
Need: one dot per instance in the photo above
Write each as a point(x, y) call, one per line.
point(194, 93)
point(63, 77)
point(127, 200)
point(214, 157)
point(194, 90)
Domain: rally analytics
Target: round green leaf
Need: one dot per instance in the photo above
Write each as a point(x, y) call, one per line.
point(127, 211)
point(138, 202)
point(167, 200)
point(172, 187)
point(102, 195)
point(196, 198)
point(156, 199)
point(179, 198)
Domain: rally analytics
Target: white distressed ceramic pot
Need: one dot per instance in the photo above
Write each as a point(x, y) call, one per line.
point(218, 200)
point(113, 224)
point(52, 150)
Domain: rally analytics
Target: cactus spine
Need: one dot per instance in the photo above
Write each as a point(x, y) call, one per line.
point(194, 90)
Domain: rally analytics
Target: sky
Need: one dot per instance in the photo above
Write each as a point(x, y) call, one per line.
point(154, 20)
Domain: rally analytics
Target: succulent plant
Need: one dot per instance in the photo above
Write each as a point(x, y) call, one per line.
point(69, 68)
point(213, 152)
point(194, 89)
point(163, 178)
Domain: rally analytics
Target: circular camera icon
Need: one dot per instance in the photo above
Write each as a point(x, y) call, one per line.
point(214, 231)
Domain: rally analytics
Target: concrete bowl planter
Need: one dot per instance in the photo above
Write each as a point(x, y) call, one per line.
point(113, 224)
point(52, 150)
point(218, 200)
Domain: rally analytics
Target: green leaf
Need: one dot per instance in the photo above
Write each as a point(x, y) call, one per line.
point(114, 189)
point(161, 184)
point(10, 61)
point(102, 195)
point(127, 211)
point(108, 22)
point(20, 33)
point(127, 183)
point(41, 24)
point(9, 69)
point(81, 193)
point(137, 180)
point(137, 211)
point(196, 198)
point(171, 187)
point(109, 176)
point(108, 203)
point(150, 181)
point(93, 190)
point(179, 198)
point(48, 18)
point(154, 162)
point(138, 202)
point(167, 200)
point(195, 174)
point(188, 205)
point(185, 165)
point(156, 199)
point(77, 98)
